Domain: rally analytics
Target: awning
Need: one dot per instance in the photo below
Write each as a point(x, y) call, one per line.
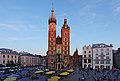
point(70, 71)
point(40, 71)
point(54, 78)
point(50, 72)
point(64, 73)
point(10, 79)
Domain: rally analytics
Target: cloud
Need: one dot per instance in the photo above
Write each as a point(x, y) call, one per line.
point(117, 9)
point(9, 26)
point(20, 26)
point(21, 38)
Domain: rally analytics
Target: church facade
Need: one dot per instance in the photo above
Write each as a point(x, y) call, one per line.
point(58, 54)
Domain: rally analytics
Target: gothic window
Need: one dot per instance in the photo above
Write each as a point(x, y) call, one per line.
point(58, 47)
point(58, 51)
point(89, 55)
point(65, 52)
point(51, 48)
point(8, 56)
point(84, 51)
point(3, 61)
point(89, 51)
point(89, 60)
point(85, 60)
point(3, 56)
point(65, 48)
point(51, 39)
point(65, 39)
point(65, 43)
point(65, 34)
point(84, 55)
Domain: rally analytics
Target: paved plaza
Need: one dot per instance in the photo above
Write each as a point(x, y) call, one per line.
point(78, 75)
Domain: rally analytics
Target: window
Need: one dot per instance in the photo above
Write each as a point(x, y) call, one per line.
point(58, 51)
point(96, 53)
point(65, 52)
point(89, 55)
point(3, 56)
point(96, 67)
point(107, 62)
point(85, 60)
point(107, 53)
point(51, 60)
point(96, 57)
point(51, 48)
point(107, 67)
point(8, 56)
point(3, 61)
point(15, 61)
point(84, 51)
point(102, 54)
point(51, 39)
point(58, 47)
point(65, 33)
point(65, 43)
point(89, 51)
point(102, 62)
point(65, 39)
point(96, 49)
point(101, 49)
point(107, 57)
point(65, 48)
point(12, 56)
point(89, 60)
point(102, 58)
point(84, 55)
point(96, 62)
point(107, 49)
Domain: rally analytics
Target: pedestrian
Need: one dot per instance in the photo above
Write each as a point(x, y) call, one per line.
point(79, 78)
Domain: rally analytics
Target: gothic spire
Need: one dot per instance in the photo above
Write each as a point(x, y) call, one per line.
point(52, 18)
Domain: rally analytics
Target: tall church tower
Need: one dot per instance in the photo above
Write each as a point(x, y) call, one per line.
point(51, 54)
point(65, 34)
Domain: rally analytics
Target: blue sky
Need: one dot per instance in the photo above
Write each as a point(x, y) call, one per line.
point(24, 23)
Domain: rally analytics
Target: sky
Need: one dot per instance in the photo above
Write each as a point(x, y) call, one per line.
point(24, 23)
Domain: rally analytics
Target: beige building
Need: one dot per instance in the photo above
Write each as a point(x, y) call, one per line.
point(8, 56)
point(27, 59)
point(87, 56)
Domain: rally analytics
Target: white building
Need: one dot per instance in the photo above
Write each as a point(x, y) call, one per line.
point(102, 56)
point(87, 57)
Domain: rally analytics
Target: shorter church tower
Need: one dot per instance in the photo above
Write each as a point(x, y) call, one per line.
point(65, 34)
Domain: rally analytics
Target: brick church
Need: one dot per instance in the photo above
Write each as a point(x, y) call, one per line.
point(58, 54)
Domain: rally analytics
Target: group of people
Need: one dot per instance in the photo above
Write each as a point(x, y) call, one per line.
point(99, 75)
